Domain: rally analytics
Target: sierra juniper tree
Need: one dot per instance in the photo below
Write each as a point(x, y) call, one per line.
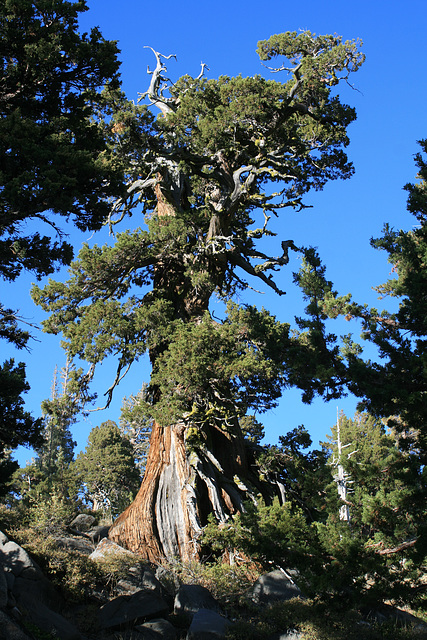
point(208, 173)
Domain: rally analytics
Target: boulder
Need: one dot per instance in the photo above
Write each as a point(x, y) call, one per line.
point(125, 610)
point(24, 588)
point(10, 630)
point(16, 559)
point(3, 538)
point(157, 630)
point(53, 623)
point(82, 545)
point(207, 625)
point(140, 577)
point(3, 588)
point(98, 533)
point(274, 586)
point(400, 618)
point(106, 548)
point(192, 597)
point(83, 522)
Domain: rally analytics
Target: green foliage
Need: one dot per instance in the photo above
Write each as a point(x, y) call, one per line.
point(56, 452)
point(219, 146)
point(17, 425)
point(252, 429)
point(323, 372)
point(389, 475)
point(300, 470)
point(375, 557)
point(228, 583)
point(106, 469)
point(114, 567)
point(53, 162)
point(386, 504)
point(213, 369)
point(313, 620)
point(49, 513)
point(73, 573)
point(136, 424)
point(52, 143)
point(268, 534)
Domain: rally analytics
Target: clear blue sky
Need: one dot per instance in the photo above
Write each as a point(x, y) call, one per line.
point(390, 98)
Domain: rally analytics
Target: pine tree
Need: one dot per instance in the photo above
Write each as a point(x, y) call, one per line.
point(49, 481)
point(17, 426)
point(53, 152)
point(385, 501)
point(220, 155)
point(108, 475)
point(53, 162)
point(136, 424)
point(59, 413)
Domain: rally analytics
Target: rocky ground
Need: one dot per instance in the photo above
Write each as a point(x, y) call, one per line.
point(148, 603)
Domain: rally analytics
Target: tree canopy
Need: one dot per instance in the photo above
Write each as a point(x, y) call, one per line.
point(106, 470)
point(205, 177)
point(201, 173)
point(54, 159)
point(53, 153)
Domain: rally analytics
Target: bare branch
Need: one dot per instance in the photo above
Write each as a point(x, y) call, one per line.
point(240, 261)
point(159, 84)
point(202, 71)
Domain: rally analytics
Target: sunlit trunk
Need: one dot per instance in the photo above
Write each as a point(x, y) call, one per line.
point(181, 487)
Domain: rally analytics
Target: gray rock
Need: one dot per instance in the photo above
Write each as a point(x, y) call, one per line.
point(400, 618)
point(3, 538)
point(149, 581)
point(17, 560)
point(274, 586)
point(140, 577)
point(107, 547)
point(124, 610)
point(82, 545)
point(3, 588)
point(207, 625)
point(157, 630)
point(30, 593)
point(192, 597)
point(127, 587)
point(83, 522)
point(10, 578)
point(98, 533)
point(10, 630)
point(168, 579)
point(53, 623)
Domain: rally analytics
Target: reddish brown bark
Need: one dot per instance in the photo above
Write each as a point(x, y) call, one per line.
point(180, 488)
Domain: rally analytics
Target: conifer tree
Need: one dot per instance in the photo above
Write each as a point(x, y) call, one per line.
point(50, 476)
point(136, 424)
point(53, 159)
point(385, 501)
point(221, 159)
point(395, 387)
point(17, 426)
point(109, 478)
point(59, 413)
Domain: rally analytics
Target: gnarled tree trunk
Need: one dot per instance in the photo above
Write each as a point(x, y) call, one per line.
point(182, 485)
